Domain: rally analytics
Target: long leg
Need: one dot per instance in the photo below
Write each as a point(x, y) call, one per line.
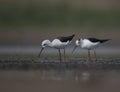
point(64, 55)
point(89, 57)
point(95, 55)
point(59, 54)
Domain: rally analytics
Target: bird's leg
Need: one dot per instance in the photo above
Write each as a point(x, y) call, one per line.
point(59, 54)
point(89, 57)
point(64, 55)
point(95, 55)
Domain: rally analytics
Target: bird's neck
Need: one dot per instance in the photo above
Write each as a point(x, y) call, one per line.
point(49, 44)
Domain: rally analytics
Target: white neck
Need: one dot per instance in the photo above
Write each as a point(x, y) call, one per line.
point(49, 44)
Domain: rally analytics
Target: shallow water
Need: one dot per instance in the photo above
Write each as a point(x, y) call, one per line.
point(36, 49)
point(21, 72)
point(75, 75)
point(60, 80)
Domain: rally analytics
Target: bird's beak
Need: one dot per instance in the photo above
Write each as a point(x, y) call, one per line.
point(40, 51)
point(74, 49)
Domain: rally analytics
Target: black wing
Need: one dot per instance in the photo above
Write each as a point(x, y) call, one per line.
point(98, 40)
point(65, 39)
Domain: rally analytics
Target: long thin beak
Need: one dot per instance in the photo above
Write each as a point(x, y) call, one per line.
point(74, 49)
point(40, 51)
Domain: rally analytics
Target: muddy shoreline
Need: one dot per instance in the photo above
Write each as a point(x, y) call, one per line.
point(29, 64)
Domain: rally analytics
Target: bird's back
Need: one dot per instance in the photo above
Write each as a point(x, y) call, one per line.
point(65, 39)
point(97, 40)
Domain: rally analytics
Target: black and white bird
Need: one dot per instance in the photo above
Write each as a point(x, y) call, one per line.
point(89, 44)
point(58, 43)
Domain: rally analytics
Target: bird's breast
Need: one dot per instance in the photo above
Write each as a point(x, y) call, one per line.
point(89, 45)
point(56, 43)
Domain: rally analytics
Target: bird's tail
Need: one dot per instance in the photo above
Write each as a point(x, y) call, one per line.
point(105, 40)
point(71, 37)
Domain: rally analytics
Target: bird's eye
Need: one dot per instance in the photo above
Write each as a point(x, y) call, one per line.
point(44, 44)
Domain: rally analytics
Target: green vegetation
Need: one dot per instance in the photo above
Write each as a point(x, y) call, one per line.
point(42, 14)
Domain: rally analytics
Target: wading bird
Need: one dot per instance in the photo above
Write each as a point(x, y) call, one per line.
point(89, 44)
point(58, 43)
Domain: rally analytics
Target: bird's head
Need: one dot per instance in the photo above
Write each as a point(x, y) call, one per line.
point(44, 44)
point(77, 43)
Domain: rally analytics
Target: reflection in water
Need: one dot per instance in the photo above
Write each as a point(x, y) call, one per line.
point(60, 80)
point(76, 74)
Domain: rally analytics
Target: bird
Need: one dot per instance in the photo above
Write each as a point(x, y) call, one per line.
point(89, 44)
point(59, 43)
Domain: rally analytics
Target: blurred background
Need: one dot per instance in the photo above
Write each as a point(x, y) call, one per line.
point(28, 22)
point(24, 24)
